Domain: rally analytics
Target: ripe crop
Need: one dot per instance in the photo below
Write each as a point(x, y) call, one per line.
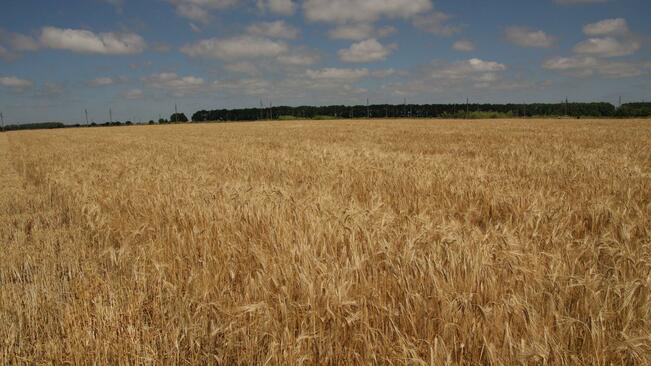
point(329, 242)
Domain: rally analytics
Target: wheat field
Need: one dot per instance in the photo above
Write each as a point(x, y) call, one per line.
point(506, 242)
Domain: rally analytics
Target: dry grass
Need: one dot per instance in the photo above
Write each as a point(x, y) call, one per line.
point(410, 242)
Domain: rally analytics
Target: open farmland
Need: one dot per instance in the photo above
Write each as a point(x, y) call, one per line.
point(330, 242)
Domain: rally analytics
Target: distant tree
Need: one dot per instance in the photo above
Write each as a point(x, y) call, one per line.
point(128, 123)
point(151, 122)
point(178, 117)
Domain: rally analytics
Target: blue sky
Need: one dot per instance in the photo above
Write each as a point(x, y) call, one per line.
point(140, 57)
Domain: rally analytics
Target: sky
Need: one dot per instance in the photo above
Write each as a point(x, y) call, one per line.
point(139, 58)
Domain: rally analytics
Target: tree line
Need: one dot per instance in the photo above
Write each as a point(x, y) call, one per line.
point(427, 111)
point(462, 111)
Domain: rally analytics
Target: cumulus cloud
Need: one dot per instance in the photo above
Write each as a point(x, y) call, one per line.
point(443, 77)
point(609, 38)
point(366, 51)
point(352, 31)
point(472, 68)
point(575, 2)
point(607, 27)
point(15, 83)
point(277, 29)
point(199, 10)
point(133, 94)
point(339, 74)
point(437, 23)
point(251, 86)
point(464, 45)
point(526, 37)
point(22, 42)
point(384, 73)
point(607, 47)
point(240, 47)
point(101, 81)
point(360, 31)
point(282, 7)
point(84, 41)
point(299, 57)
point(584, 66)
point(242, 67)
point(6, 54)
point(175, 84)
point(364, 11)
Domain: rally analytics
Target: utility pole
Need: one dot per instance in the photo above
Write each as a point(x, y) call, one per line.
point(176, 111)
point(404, 108)
point(2, 122)
point(368, 109)
point(86, 112)
point(620, 101)
point(566, 107)
point(261, 110)
point(271, 110)
point(110, 115)
point(467, 107)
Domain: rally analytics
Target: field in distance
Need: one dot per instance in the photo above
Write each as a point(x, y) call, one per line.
point(328, 242)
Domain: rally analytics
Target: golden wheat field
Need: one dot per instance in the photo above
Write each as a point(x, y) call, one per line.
point(505, 242)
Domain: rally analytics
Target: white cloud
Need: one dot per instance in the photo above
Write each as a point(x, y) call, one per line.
point(101, 81)
point(252, 86)
point(282, 7)
point(277, 29)
point(365, 11)
point(5, 54)
point(175, 84)
point(365, 51)
point(384, 73)
point(444, 77)
point(133, 94)
point(575, 2)
point(526, 37)
point(243, 67)
point(161, 47)
point(117, 4)
point(337, 74)
point(474, 69)
point(22, 42)
point(436, 23)
point(354, 32)
point(584, 66)
point(464, 45)
point(472, 65)
point(299, 57)
point(51, 89)
point(360, 31)
point(240, 47)
point(15, 83)
point(607, 27)
point(84, 41)
point(199, 10)
point(607, 47)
